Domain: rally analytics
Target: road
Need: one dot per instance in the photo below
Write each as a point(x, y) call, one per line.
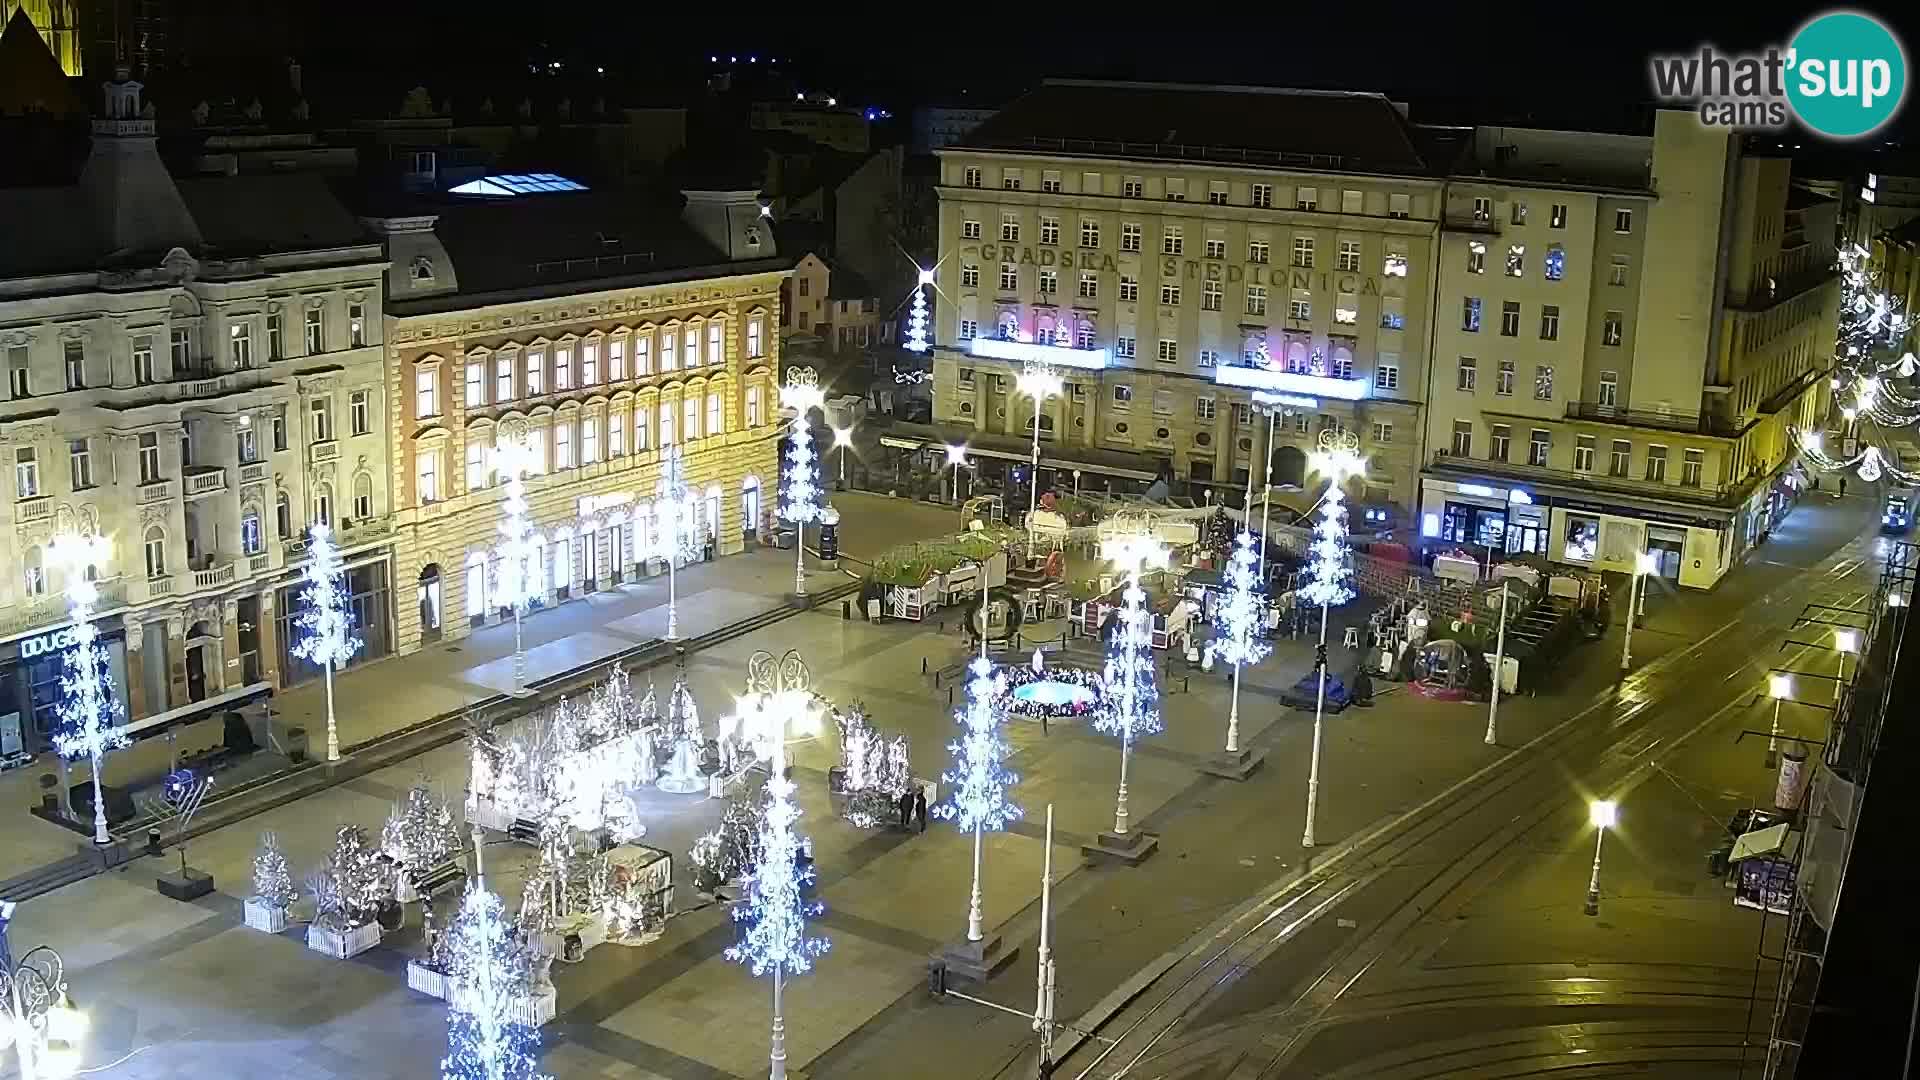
point(1451, 941)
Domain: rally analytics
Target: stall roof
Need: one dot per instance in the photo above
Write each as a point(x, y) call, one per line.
point(1774, 839)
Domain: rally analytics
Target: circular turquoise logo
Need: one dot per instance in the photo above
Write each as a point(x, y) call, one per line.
point(1847, 74)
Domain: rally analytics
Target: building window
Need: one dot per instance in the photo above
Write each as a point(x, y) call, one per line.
point(806, 287)
point(1162, 404)
point(1556, 263)
point(283, 515)
point(80, 458)
point(427, 473)
point(1010, 229)
point(590, 362)
point(1516, 260)
point(1172, 240)
point(643, 424)
point(320, 413)
point(1133, 187)
point(240, 345)
point(1050, 182)
point(1583, 453)
point(1621, 459)
point(1170, 295)
point(1010, 179)
point(476, 464)
point(537, 372)
point(1130, 236)
point(1399, 205)
point(1610, 329)
point(969, 329)
point(280, 428)
point(1470, 315)
point(1463, 438)
point(1089, 285)
point(1617, 275)
point(969, 230)
point(1211, 294)
point(1259, 251)
point(1009, 277)
point(476, 383)
point(1303, 251)
point(180, 348)
point(1008, 328)
point(149, 456)
point(1122, 396)
point(1176, 190)
point(1084, 337)
point(969, 277)
point(1123, 347)
point(1050, 231)
point(1217, 193)
point(1482, 208)
point(26, 473)
point(690, 417)
point(1129, 289)
point(1557, 216)
point(1207, 358)
point(1510, 318)
point(1657, 463)
point(1395, 262)
point(1349, 256)
point(1469, 375)
point(502, 378)
point(1609, 388)
point(1393, 315)
point(1386, 373)
point(716, 416)
point(589, 440)
point(426, 393)
point(1498, 445)
point(1300, 306)
point(1543, 382)
point(316, 332)
point(1519, 212)
point(1216, 248)
point(562, 444)
point(1550, 322)
point(1203, 408)
point(1346, 308)
point(1692, 462)
point(1169, 350)
point(1260, 195)
point(1049, 283)
point(363, 496)
point(276, 336)
point(1503, 379)
point(563, 368)
point(356, 324)
point(1539, 447)
point(1352, 202)
point(143, 373)
point(971, 178)
point(1623, 221)
point(1382, 432)
point(1306, 198)
point(1256, 299)
point(359, 412)
point(251, 541)
point(1476, 257)
point(1089, 233)
point(156, 551)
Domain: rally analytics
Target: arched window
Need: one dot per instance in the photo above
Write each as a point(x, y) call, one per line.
point(251, 540)
point(156, 549)
point(476, 584)
point(36, 571)
point(1008, 328)
point(750, 506)
point(322, 504)
point(1297, 357)
point(283, 514)
point(362, 497)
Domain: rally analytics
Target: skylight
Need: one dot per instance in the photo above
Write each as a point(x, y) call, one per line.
point(509, 184)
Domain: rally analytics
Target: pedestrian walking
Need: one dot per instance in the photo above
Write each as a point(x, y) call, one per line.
point(906, 811)
point(920, 809)
point(1043, 723)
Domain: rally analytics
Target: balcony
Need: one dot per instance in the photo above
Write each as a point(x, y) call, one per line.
point(1719, 495)
point(154, 491)
point(323, 451)
point(259, 564)
point(1689, 423)
point(1273, 379)
point(38, 508)
point(213, 577)
point(253, 472)
point(160, 586)
point(204, 480)
point(1469, 222)
point(52, 609)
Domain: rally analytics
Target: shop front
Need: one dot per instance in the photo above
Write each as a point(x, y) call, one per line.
point(1505, 519)
point(31, 668)
point(371, 601)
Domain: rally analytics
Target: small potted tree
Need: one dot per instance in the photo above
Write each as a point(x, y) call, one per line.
point(347, 895)
point(273, 891)
point(419, 837)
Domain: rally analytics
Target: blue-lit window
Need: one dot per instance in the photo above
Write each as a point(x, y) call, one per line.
point(509, 184)
point(1556, 262)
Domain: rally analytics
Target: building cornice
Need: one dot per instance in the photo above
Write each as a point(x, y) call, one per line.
point(403, 309)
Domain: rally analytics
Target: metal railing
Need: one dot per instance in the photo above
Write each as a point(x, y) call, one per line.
point(1692, 423)
point(1626, 485)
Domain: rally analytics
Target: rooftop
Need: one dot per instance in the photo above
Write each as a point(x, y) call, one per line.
point(1348, 132)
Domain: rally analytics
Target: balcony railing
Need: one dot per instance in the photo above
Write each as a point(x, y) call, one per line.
point(38, 508)
point(253, 472)
point(160, 586)
point(323, 451)
point(1468, 221)
point(205, 480)
point(214, 577)
point(1715, 494)
point(156, 491)
point(1691, 423)
point(260, 564)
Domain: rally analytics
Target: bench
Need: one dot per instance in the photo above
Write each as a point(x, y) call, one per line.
point(442, 878)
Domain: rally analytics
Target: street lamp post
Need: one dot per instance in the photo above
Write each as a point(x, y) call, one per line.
point(1271, 406)
point(1338, 458)
point(1779, 688)
point(513, 455)
point(1603, 813)
point(1133, 712)
point(677, 539)
point(1499, 665)
point(46, 1026)
point(956, 460)
point(1038, 382)
point(801, 392)
point(90, 716)
point(842, 439)
point(1643, 564)
point(1846, 643)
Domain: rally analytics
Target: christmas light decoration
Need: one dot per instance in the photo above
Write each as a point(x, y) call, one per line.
point(979, 779)
point(357, 882)
point(1038, 382)
point(775, 907)
point(519, 553)
point(325, 622)
point(420, 834)
point(1238, 618)
point(1132, 700)
point(272, 880)
point(1077, 693)
point(489, 980)
point(801, 393)
point(1338, 459)
point(684, 774)
point(90, 717)
point(917, 315)
point(677, 535)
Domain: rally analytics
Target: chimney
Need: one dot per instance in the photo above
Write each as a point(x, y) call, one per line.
point(732, 221)
point(135, 204)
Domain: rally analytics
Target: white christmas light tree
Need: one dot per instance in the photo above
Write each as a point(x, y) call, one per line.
point(979, 778)
point(325, 622)
point(683, 774)
point(485, 1039)
point(801, 393)
point(519, 555)
point(90, 717)
point(775, 908)
point(917, 314)
point(1238, 620)
point(677, 537)
point(1338, 459)
point(1132, 700)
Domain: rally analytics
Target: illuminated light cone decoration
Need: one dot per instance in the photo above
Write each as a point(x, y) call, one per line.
point(487, 989)
point(1338, 459)
point(1238, 620)
point(326, 623)
point(1133, 701)
point(917, 314)
point(90, 717)
point(774, 907)
point(801, 393)
point(677, 535)
point(979, 778)
point(519, 553)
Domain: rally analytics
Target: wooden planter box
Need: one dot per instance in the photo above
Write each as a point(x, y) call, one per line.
point(591, 928)
point(341, 944)
point(426, 980)
point(259, 916)
point(535, 1011)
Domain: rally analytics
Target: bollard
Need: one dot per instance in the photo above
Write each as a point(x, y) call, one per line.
point(846, 610)
point(949, 695)
point(923, 665)
point(153, 841)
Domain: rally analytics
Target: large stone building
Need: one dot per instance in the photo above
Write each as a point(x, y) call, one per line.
point(193, 372)
point(1173, 250)
point(1625, 330)
point(607, 330)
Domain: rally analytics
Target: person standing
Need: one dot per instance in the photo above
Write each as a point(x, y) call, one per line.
point(920, 809)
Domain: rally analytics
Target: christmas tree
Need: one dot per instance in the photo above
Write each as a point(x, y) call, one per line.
point(360, 883)
point(272, 881)
point(734, 845)
point(420, 834)
point(1220, 534)
point(489, 975)
point(685, 739)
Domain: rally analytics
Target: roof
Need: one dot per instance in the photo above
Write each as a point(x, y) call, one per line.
point(1349, 132)
point(1800, 198)
point(30, 77)
point(844, 283)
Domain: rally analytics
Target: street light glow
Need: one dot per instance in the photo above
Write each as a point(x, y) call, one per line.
point(1780, 686)
point(843, 436)
point(1645, 563)
point(1603, 813)
point(1846, 641)
point(956, 454)
point(926, 276)
point(1038, 383)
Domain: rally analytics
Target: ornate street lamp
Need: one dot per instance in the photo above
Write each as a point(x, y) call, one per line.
point(801, 393)
point(1038, 382)
point(46, 1028)
point(1338, 459)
